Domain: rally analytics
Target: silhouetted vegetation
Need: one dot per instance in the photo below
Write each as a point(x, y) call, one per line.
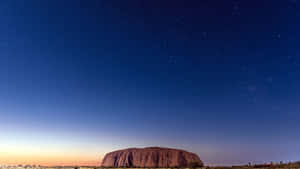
point(195, 164)
point(200, 165)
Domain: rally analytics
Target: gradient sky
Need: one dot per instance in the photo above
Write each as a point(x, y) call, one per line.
point(82, 78)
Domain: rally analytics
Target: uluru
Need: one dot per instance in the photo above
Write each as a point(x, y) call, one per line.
point(151, 157)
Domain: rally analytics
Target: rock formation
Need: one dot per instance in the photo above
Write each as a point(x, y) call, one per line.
point(150, 157)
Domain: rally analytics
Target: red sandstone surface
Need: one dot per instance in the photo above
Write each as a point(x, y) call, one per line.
point(149, 157)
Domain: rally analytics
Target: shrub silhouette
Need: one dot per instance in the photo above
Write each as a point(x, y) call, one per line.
point(195, 164)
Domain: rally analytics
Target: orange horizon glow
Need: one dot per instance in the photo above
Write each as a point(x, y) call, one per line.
point(53, 162)
point(12, 153)
point(49, 160)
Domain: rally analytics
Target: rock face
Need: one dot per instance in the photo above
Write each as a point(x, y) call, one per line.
point(150, 157)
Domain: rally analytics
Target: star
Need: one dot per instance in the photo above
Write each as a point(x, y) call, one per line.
point(235, 10)
point(270, 79)
point(171, 60)
point(204, 35)
point(252, 88)
point(236, 7)
point(279, 36)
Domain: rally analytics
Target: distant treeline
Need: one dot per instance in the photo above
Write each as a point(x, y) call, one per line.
point(295, 165)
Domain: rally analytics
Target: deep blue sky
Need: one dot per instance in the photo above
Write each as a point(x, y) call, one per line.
point(220, 78)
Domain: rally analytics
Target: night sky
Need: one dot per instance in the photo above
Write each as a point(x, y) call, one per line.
point(82, 78)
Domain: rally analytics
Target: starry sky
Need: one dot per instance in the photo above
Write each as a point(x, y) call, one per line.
point(82, 78)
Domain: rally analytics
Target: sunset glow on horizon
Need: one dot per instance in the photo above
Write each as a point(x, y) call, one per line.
point(47, 156)
point(64, 160)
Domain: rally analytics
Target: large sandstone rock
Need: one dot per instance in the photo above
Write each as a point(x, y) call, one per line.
point(150, 157)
